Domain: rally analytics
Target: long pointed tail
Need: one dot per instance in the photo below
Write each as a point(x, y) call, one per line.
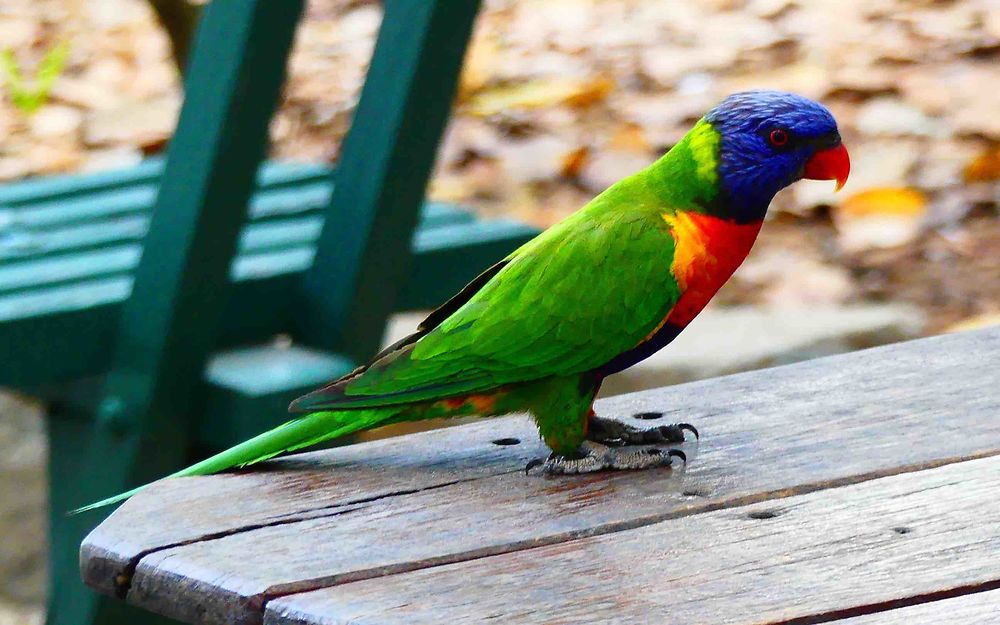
point(295, 434)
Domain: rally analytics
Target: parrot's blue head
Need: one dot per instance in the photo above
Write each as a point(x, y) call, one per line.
point(768, 140)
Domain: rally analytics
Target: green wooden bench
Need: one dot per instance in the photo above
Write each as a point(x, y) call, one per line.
point(144, 305)
point(69, 247)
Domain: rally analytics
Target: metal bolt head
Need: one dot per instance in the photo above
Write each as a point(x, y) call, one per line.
point(112, 414)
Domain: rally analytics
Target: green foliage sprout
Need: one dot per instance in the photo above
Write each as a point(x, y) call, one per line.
point(29, 95)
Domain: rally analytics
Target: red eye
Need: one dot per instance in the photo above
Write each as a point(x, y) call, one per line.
point(778, 138)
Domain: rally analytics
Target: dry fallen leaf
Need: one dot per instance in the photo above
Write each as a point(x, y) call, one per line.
point(862, 80)
point(54, 157)
point(985, 167)
point(813, 282)
point(140, 124)
point(878, 218)
point(942, 162)
point(540, 93)
point(56, 121)
point(573, 162)
point(479, 67)
point(804, 78)
point(886, 201)
point(448, 188)
point(977, 322)
point(609, 166)
point(629, 137)
point(591, 92)
point(882, 163)
point(960, 92)
point(535, 159)
point(892, 116)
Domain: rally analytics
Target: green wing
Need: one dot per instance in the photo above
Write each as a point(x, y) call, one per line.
point(568, 301)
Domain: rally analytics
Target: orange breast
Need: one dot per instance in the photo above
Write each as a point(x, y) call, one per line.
point(708, 250)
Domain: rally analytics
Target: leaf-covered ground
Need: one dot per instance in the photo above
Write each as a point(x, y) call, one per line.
point(559, 98)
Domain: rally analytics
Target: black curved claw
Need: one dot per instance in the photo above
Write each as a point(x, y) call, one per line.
point(537, 462)
point(673, 453)
point(689, 428)
point(677, 453)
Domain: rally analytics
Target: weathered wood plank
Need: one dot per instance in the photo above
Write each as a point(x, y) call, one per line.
point(323, 518)
point(976, 609)
point(184, 510)
point(897, 537)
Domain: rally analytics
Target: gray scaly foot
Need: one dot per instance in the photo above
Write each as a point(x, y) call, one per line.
point(596, 457)
point(615, 433)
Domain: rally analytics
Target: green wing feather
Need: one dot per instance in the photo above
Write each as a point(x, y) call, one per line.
point(568, 301)
point(296, 434)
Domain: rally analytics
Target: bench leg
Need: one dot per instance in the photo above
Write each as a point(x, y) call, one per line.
point(70, 602)
point(170, 323)
point(386, 159)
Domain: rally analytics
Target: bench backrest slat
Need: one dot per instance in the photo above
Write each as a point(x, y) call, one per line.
point(169, 324)
point(386, 161)
point(142, 419)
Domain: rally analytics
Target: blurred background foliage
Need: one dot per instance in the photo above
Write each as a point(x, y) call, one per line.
point(559, 98)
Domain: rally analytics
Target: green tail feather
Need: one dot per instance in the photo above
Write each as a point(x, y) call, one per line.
point(296, 434)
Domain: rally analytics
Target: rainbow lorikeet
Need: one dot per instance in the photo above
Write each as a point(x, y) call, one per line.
point(591, 296)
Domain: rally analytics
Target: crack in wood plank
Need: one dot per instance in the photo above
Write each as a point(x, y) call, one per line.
point(304, 515)
point(259, 601)
point(977, 607)
point(424, 461)
point(895, 604)
point(123, 581)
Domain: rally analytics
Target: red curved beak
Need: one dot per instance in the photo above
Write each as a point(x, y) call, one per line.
point(829, 164)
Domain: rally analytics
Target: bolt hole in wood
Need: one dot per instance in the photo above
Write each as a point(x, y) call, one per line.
point(648, 416)
point(505, 442)
point(902, 530)
point(761, 515)
point(693, 493)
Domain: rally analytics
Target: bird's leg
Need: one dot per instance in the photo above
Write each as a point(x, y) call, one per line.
point(562, 408)
point(593, 456)
point(615, 433)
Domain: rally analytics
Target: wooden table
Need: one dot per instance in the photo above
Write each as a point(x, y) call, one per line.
point(861, 489)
